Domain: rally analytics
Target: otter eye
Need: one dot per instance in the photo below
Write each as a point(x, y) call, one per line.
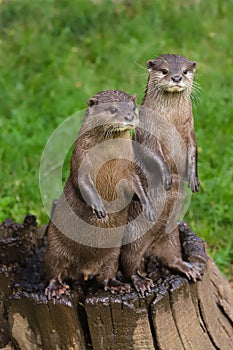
point(164, 71)
point(113, 110)
point(185, 71)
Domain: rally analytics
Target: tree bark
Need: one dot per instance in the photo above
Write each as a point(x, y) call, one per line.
point(178, 314)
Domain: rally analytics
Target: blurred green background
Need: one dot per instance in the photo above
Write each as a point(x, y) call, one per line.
point(54, 55)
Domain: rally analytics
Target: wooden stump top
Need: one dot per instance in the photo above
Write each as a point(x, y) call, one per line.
point(176, 315)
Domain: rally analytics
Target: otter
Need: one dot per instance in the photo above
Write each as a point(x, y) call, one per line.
point(166, 127)
point(84, 236)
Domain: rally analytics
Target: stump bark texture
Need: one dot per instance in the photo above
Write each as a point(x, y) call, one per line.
point(177, 315)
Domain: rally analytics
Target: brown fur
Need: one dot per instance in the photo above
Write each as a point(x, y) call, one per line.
point(81, 242)
point(166, 114)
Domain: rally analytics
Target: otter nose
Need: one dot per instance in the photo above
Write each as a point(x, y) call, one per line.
point(176, 78)
point(129, 117)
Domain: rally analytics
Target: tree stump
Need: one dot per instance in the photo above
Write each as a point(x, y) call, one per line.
point(177, 315)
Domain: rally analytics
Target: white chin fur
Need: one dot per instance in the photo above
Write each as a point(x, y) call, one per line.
point(123, 128)
point(175, 88)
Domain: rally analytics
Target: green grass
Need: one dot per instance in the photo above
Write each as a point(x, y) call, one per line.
point(54, 55)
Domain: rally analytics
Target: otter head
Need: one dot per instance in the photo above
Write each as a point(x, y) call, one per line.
point(113, 111)
point(171, 73)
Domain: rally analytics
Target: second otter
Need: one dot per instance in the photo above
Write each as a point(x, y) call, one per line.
point(166, 126)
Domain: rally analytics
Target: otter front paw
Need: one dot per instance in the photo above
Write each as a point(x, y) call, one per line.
point(56, 289)
point(142, 284)
point(99, 210)
point(150, 211)
point(194, 183)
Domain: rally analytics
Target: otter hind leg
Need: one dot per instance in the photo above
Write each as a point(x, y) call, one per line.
point(131, 263)
point(56, 288)
point(168, 251)
point(108, 273)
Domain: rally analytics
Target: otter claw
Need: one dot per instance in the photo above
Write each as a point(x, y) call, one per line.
point(100, 214)
point(99, 211)
point(55, 289)
point(194, 184)
point(150, 211)
point(142, 284)
point(115, 286)
point(195, 271)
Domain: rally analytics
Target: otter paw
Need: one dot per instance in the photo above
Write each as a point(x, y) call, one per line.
point(142, 284)
point(56, 289)
point(149, 211)
point(194, 271)
point(194, 183)
point(115, 286)
point(99, 210)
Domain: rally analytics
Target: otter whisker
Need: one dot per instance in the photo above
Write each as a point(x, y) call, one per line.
point(197, 86)
point(195, 94)
point(140, 66)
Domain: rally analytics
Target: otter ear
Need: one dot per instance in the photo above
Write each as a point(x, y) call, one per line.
point(134, 98)
point(151, 64)
point(194, 64)
point(92, 101)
